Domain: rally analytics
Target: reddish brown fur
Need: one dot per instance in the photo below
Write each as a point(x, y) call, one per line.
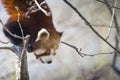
point(10, 8)
point(31, 25)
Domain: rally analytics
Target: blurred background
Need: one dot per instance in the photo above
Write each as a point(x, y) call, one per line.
point(68, 64)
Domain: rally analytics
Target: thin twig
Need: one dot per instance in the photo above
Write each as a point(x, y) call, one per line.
point(76, 49)
point(112, 19)
point(117, 35)
point(34, 8)
point(8, 48)
point(109, 8)
point(3, 42)
point(31, 9)
point(115, 7)
point(83, 54)
point(90, 26)
point(102, 25)
point(100, 1)
point(14, 35)
point(43, 10)
point(92, 55)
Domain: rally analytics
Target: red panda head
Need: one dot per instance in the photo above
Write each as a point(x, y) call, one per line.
point(44, 39)
point(46, 44)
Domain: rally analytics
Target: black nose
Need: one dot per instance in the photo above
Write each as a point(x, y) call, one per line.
point(49, 62)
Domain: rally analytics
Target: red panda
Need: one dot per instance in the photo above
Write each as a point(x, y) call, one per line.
point(44, 39)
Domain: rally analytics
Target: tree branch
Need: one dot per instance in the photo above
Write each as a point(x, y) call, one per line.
point(116, 37)
point(115, 7)
point(8, 48)
point(13, 35)
point(24, 65)
point(24, 75)
point(76, 49)
point(90, 26)
point(21, 58)
point(83, 54)
point(40, 8)
point(112, 20)
point(3, 42)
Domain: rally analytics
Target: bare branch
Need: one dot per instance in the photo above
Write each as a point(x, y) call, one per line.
point(21, 58)
point(40, 8)
point(117, 35)
point(109, 8)
point(8, 48)
point(102, 25)
point(92, 55)
point(36, 7)
point(14, 35)
point(100, 1)
point(83, 54)
point(76, 49)
point(115, 7)
point(3, 42)
point(112, 19)
point(22, 68)
point(31, 9)
point(18, 20)
point(90, 26)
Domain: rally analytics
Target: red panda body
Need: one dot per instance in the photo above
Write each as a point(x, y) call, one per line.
point(36, 22)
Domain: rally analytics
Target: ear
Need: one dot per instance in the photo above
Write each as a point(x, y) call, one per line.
point(61, 33)
point(43, 34)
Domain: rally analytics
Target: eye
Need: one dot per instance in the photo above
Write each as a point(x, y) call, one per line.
point(43, 34)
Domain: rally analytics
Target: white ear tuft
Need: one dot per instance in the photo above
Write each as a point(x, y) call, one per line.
point(43, 34)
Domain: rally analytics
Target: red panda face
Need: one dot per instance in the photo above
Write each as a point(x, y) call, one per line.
point(46, 44)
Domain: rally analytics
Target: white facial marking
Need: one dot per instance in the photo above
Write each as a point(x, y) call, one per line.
point(43, 30)
point(52, 51)
point(40, 51)
point(46, 59)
